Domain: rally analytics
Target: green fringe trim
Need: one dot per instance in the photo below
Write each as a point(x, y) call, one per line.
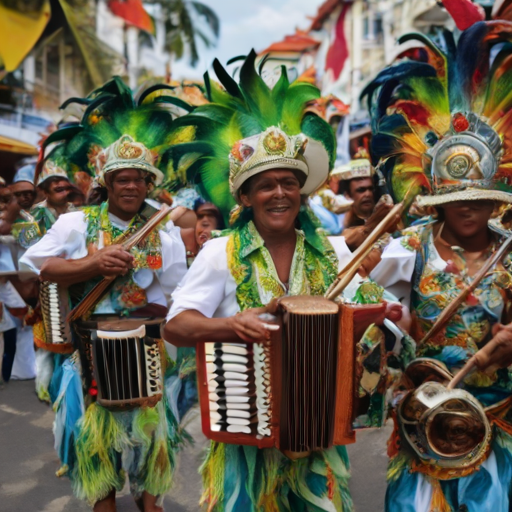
point(212, 471)
point(99, 438)
point(397, 465)
point(157, 470)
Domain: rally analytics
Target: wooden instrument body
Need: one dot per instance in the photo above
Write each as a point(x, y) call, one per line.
point(352, 321)
point(126, 358)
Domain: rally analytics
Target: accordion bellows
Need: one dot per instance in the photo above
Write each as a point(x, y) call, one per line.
point(127, 368)
point(295, 391)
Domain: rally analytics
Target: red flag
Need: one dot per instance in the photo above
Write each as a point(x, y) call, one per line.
point(338, 52)
point(464, 12)
point(133, 12)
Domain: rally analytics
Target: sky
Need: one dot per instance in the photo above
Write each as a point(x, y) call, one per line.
point(247, 24)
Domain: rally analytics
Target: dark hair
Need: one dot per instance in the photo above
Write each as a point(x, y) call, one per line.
point(47, 183)
point(218, 216)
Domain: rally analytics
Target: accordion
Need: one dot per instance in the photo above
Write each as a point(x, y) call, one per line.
point(295, 392)
point(126, 365)
point(57, 333)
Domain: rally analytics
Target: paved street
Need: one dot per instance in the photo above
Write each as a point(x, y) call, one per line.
point(28, 463)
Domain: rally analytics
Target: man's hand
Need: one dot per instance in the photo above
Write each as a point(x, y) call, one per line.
point(112, 261)
point(378, 214)
point(250, 327)
point(498, 352)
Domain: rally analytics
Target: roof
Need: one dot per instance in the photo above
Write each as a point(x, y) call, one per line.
point(298, 42)
point(324, 11)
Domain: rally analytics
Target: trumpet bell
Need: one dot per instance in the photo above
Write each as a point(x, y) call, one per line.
point(448, 428)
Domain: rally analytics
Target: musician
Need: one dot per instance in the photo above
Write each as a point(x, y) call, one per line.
point(356, 183)
point(272, 250)
point(459, 163)
point(80, 250)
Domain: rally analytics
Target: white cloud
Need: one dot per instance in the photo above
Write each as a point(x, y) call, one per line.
point(247, 24)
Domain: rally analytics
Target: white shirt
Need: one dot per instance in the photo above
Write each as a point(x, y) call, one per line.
point(67, 239)
point(9, 297)
point(394, 271)
point(209, 286)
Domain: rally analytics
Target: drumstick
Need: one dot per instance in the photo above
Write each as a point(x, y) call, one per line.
point(454, 305)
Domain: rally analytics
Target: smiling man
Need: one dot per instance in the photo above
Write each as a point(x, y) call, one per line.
point(80, 250)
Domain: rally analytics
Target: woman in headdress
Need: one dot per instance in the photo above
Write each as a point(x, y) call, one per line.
point(442, 128)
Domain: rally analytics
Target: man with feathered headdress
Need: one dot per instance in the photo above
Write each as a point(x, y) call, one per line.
point(123, 420)
point(257, 155)
point(442, 129)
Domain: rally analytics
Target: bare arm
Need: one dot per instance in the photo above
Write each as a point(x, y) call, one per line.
point(191, 327)
point(109, 261)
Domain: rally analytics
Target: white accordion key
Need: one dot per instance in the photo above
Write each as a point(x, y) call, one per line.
point(235, 413)
point(238, 406)
point(227, 348)
point(235, 383)
point(236, 376)
point(238, 399)
point(215, 417)
point(209, 358)
point(238, 421)
point(238, 429)
point(232, 358)
point(209, 348)
point(215, 427)
point(232, 367)
point(236, 391)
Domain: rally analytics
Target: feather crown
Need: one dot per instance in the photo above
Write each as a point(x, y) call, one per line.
point(115, 132)
point(248, 128)
point(443, 125)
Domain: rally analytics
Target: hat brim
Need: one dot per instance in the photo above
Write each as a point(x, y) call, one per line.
point(315, 166)
point(472, 194)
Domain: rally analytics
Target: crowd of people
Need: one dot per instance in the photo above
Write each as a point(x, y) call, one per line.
point(148, 227)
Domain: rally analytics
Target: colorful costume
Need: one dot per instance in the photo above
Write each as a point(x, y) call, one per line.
point(102, 443)
point(244, 132)
point(442, 128)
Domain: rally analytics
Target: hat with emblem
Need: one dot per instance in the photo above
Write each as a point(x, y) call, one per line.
point(125, 153)
point(248, 128)
point(443, 125)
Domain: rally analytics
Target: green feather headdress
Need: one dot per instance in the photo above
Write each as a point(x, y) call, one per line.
point(142, 129)
point(242, 110)
point(442, 123)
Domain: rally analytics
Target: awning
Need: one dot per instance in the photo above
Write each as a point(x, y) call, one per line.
point(16, 146)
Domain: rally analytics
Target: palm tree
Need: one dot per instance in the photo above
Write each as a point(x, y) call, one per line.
point(182, 31)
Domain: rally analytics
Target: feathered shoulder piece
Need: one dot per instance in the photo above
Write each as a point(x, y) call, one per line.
point(444, 124)
point(247, 128)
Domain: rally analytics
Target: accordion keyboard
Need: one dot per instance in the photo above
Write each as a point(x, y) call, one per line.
point(55, 328)
point(239, 388)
